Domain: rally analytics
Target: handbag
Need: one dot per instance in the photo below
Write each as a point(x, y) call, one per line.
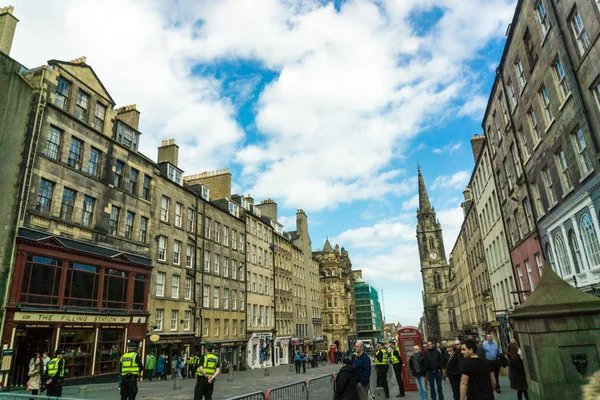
point(444, 373)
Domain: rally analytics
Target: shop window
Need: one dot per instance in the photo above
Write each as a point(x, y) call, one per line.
point(108, 353)
point(41, 280)
point(115, 290)
point(139, 292)
point(82, 285)
point(78, 345)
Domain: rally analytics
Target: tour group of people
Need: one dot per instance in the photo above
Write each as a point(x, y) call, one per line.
point(472, 369)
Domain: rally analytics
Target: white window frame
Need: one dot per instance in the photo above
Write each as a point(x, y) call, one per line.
point(562, 167)
point(162, 248)
point(206, 261)
point(206, 326)
point(159, 318)
point(561, 81)
point(545, 101)
point(233, 299)
point(579, 146)
point(217, 264)
point(225, 267)
point(234, 239)
point(225, 298)
point(190, 220)
point(541, 15)
point(161, 278)
point(176, 252)
point(175, 281)
point(178, 214)
point(596, 90)
point(188, 288)
point(522, 135)
point(187, 317)
point(216, 296)
point(520, 73)
point(174, 320)
point(206, 296)
point(548, 182)
point(217, 231)
point(225, 236)
point(165, 204)
point(581, 37)
point(533, 124)
point(189, 255)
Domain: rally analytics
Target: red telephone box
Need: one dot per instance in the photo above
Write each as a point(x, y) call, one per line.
point(332, 350)
point(408, 337)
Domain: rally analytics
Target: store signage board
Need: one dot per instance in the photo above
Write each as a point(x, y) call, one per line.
point(76, 318)
point(7, 356)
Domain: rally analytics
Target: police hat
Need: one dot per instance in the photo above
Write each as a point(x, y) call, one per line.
point(209, 346)
point(59, 351)
point(132, 345)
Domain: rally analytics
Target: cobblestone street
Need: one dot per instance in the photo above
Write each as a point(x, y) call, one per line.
point(246, 382)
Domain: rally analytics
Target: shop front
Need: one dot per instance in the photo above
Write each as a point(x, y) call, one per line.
point(87, 304)
point(171, 347)
point(231, 354)
point(281, 351)
point(259, 350)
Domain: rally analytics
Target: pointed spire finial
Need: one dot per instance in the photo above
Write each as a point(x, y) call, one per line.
point(424, 204)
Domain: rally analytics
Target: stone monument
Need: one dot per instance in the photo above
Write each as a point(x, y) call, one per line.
point(559, 335)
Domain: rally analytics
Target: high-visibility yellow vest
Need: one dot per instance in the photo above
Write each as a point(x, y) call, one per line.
point(209, 365)
point(384, 359)
point(393, 358)
point(53, 368)
point(128, 364)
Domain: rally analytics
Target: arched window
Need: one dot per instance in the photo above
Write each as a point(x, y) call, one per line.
point(550, 254)
point(437, 281)
point(590, 240)
point(431, 243)
point(575, 252)
point(561, 253)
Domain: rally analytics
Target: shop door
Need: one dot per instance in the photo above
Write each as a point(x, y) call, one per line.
point(29, 342)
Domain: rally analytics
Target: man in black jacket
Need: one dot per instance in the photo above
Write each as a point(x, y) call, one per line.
point(345, 382)
point(435, 363)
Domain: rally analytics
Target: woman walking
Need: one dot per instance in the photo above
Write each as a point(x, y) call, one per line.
point(35, 376)
point(161, 367)
point(516, 371)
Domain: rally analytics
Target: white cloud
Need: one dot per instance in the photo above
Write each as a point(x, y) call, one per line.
point(411, 204)
point(456, 181)
point(449, 148)
point(474, 107)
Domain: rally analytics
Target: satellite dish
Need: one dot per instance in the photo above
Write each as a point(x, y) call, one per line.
point(154, 338)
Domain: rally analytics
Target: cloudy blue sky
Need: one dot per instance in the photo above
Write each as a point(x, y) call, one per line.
point(319, 105)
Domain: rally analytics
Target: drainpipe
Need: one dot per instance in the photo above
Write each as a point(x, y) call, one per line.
point(273, 348)
point(24, 195)
point(196, 265)
point(201, 269)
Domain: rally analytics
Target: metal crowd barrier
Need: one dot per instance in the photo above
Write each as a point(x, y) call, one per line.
point(293, 391)
point(250, 396)
point(16, 396)
point(321, 387)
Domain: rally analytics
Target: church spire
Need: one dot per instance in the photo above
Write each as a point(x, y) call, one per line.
point(327, 246)
point(424, 205)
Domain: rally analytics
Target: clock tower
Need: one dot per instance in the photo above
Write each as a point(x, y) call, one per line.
point(434, 269)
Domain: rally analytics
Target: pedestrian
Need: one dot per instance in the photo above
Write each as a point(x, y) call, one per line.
point(444, 347)
point(56, 374)
point(439, 348)
point(35, 376)
point(477, 377)
point(493, 355)
point(303, 359)
point(178, 366)
point(297, 361)
point(150, 366)
point(396, 360)
point(345, 381)
point(591, 391)
point(418, 368)
point(362, 362)
point(435, 363)
point(381, 369)
point(131, 370)
point(516, 372)
point(452, 371)
point(161, 367)
point(208, 370)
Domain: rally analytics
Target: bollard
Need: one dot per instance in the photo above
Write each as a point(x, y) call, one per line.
point(267, 372)
point(82, 392)
point(230, 375)
point(177, 383)
point(379, 393)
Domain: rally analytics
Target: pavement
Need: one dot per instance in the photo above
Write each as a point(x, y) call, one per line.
point(247, 382)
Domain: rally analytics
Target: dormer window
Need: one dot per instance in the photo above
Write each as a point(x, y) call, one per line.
point(174, 174)
point(234, 209)
point(127, 136)
point(245, 204)
point(256, 211)
point(61, 97)
point(205, 193)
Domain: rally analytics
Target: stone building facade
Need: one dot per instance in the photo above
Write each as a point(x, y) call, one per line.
point(337, 291)
point(435, 270)
point(75, 245)
point(542, 124)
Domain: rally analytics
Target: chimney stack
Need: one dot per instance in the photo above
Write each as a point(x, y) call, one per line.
point(468, 200)
point(169, 152)
point(218, 182)
point(8, 25)
point(128, 114)
point(268, 208)
point(477, 143)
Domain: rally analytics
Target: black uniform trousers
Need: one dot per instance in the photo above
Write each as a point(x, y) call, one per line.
point(129, 387)
point(455, 384)
point(203, 389)
point(381, 371)
point(54, 389)
point(398, 372)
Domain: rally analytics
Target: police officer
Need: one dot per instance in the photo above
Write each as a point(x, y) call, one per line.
point(397, 365)
point(131, 371)
point(381, 368)
point(208, 370)
point(56, 373)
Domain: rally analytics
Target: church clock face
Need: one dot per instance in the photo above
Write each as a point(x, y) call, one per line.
point(433, 255)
